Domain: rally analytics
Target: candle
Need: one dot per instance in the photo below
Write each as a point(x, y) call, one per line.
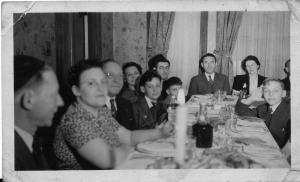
point(181, 121)
point(181, 97)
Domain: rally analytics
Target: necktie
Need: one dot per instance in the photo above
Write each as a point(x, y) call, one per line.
point(38, 153)
point(154, 104)
point(270, 112)
point(210, 80)
point(113, 108)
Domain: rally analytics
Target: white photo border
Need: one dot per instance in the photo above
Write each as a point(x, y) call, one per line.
point(8, 8)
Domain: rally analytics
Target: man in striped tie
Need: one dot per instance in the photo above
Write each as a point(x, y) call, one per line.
point(208, 81)
point(121, 109)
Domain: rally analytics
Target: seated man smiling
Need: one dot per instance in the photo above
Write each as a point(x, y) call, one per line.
point(275, 112)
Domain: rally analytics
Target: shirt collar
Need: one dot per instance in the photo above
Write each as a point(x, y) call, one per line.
point(27, 138)
point(107, 101)
point(274, 107)
point(212, 76)
point(148, 100)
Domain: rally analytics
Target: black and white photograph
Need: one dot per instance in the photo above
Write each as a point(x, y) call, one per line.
point(150, 91)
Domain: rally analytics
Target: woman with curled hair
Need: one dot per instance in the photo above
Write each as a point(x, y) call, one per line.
point(88, 137)
point(251, 80)
point(132, 72)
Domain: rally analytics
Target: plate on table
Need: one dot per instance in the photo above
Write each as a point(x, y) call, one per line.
point(166, 149)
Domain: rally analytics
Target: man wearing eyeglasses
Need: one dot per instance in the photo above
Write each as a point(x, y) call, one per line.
point(121, 109)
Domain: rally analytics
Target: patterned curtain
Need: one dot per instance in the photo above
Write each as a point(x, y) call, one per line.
point(228, 24)
point(159, 33)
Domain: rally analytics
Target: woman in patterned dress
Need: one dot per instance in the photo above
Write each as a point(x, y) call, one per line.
point(88, 137)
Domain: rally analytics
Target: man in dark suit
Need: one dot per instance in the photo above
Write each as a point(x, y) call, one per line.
point(209, 81)
point(161, 65)
point(275, 112)
point(121, 108)
point(36, 99)
point(147, 111)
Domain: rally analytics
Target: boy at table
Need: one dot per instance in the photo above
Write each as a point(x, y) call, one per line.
point(275, 112)
point(172, 85)
point(148, 113)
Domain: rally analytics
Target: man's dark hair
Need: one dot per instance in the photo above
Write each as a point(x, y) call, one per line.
point(250, 58)
point(152, 64)
point(26, 69)
point(76, 70)
point(130, 64)
point(148, 76)
point(267, 81)
point(202, 58)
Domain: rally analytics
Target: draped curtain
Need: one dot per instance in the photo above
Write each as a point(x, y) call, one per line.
point(228, 24)
point(184, 46)
point(160, 25)
point(265, 35)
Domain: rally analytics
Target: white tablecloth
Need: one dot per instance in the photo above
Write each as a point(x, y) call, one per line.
point(251, 139)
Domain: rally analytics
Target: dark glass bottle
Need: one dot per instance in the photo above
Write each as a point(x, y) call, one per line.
point(243, 93)
point(202, 129)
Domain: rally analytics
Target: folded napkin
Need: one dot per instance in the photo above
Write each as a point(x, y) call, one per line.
point(250, 129)
point(157, 148)
point(247, 123)
point(262, 152)
point(254, 141)
point(251, 119)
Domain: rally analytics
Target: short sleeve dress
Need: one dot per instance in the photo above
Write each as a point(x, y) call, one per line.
point(78, 127)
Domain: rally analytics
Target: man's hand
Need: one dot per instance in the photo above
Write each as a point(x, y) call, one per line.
point(167, 129)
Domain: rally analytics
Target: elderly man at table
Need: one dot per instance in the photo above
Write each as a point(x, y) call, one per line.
point(36, 100)
point(121, 108)
point(275, 112)
point(209, 81)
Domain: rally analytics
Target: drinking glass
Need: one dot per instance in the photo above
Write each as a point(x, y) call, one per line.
point(218, 96)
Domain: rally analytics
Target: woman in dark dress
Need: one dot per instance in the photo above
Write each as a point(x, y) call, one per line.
point(251, 80)
point(132, 72)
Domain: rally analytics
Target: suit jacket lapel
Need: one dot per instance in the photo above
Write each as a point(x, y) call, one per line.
point(146, 108)
point(211, 87)
point(203, 77)
point(216, 79)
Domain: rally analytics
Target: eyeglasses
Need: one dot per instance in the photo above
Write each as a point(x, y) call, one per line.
point(110, 76)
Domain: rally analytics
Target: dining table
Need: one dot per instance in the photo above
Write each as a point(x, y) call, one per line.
point(247, 143)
